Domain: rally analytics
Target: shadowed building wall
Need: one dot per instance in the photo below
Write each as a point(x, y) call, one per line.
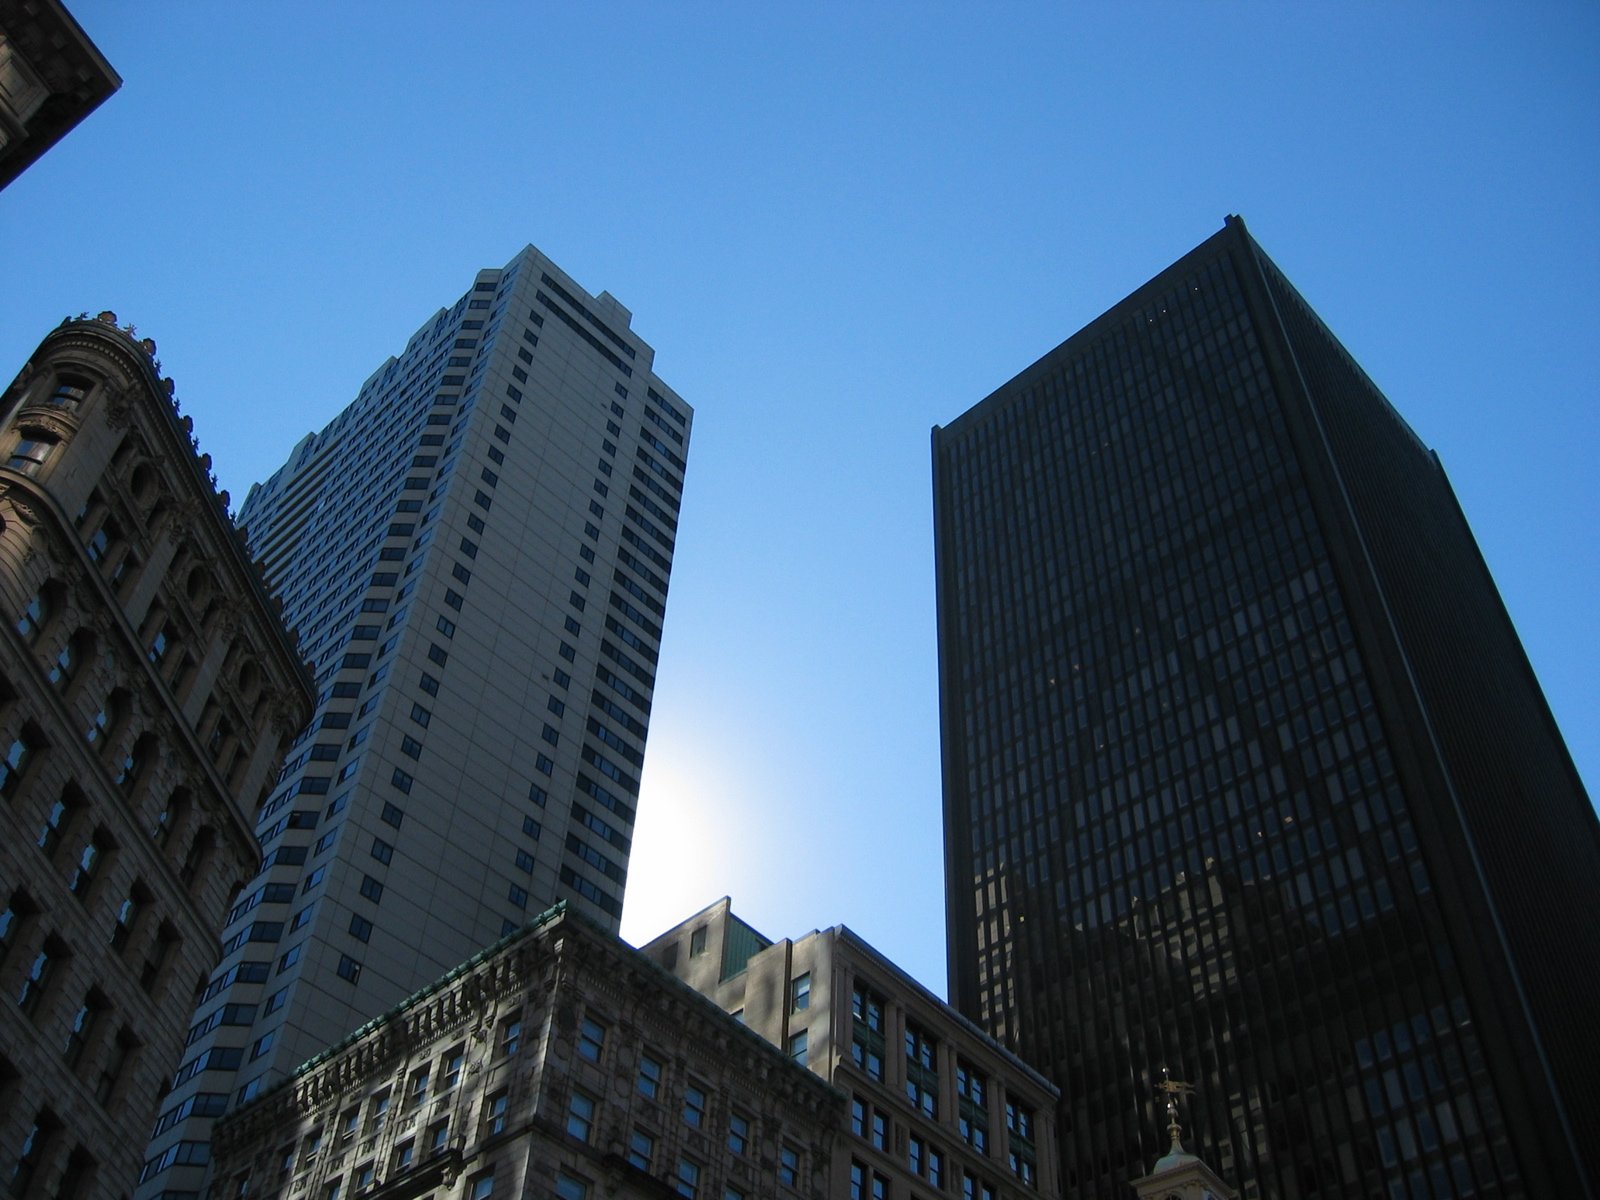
point(1245, 769)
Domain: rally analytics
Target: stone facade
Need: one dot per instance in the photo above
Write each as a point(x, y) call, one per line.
point(476, 554)
point(51, 77)
point(559, 1062)
point(149, 690)
point(936, 1107)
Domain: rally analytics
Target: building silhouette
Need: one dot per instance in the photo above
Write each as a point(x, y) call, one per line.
point(475, 554)
point(51, 77)
point(147, 692)
point(1245, 770)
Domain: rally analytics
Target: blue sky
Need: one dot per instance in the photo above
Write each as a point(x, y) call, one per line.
point(840, 225)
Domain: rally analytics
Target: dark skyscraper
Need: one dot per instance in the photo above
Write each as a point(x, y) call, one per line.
point(1245, 770)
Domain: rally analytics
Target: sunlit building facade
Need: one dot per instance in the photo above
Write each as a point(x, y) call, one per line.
point(475, 553)
point(559, 1063)
point(147, 692)
point(1246, 772)
point(935, 1106)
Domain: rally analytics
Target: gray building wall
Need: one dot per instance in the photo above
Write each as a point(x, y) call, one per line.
point(475, 553)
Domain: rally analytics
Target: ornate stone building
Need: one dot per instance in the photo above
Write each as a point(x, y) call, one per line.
point(149, 690)
point(51, 77)
point(936, 1106)
point(558, 1062)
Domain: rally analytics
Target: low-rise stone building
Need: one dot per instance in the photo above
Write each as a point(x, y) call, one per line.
point(147, 695)
point(558, 1062)
point(936, 1106)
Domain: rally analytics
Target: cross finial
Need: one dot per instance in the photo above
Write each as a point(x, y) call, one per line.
point(1172, 1089)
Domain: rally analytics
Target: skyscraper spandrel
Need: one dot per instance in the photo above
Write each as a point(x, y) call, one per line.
point(1245, 770)
point(475, 554)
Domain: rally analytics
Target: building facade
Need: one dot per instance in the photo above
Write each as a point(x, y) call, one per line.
point(558, 1063)
point(936, 1106)
point(147, 695)
point(475, 553)
point(51, 77)
point(1245, 770)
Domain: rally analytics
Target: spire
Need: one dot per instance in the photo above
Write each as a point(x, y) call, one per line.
point(1178, 1173)
point(1173, 1088)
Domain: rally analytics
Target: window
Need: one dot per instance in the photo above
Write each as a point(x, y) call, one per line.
point(31, 624)
point(401, 781)
point(591, 1039)
point(495, 1113)
point(450, 1070)
point(419, 1088)
point(371, 888)
point(15, 763)
point(972, 1092)
point(360, 928)
point(1023, 1157)
point(879, 1126)
point(789, 1165)
point(649, 1077)
point(482, 1188)
point(738, 1133)
point(580, 1116)
point(697, 942)
point(686, 1182)
point(797, 1047)
point(922, 1074)
point(410, 747)
point(37, 979)
point(867, 1043)
point(30, 455)
point(694, 1106)
point(641, 1146)
point(349, 969)
point(569, 1187)
point(800, 993)
point(511, 1038)
point(382, 851)
point(392, 814)
point(517, 895)
point(405, 1153)
point(55, 825)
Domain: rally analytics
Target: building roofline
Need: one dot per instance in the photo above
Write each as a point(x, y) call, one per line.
point(845, 934)
point(1233, 228)
point(140, 355)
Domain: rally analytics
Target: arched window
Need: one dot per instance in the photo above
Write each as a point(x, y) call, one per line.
point(128, 914)
point(199, 856)
point(19, 756)
point(36, 614)
point(133, 766)
point(91, 863)
point(170, 816)
point(79, 649)
point(108, 719)
point(58, 821)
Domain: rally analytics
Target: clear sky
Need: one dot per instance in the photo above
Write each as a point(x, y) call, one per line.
point(840, 224)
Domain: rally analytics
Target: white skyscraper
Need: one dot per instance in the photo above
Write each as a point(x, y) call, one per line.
point(475, 554)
